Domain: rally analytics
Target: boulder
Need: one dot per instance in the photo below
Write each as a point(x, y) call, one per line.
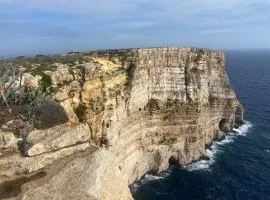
point(61, 75)
point(56, 138)
point(30, 80)
point(17, 126)
point(14, 165)
point(8, 142)
point(66, 101)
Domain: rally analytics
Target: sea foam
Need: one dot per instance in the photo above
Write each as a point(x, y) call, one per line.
point(202, 164)
point(216, 147)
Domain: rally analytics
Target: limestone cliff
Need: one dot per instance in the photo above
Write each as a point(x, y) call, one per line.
point(145, 107)
point(158, 104)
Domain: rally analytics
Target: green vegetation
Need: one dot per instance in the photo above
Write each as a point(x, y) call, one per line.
point(33, 100)
point(21, 100)
point(45, 82)
point(27, 102)
point(50, 114)
point(8, 76)
point(46, 62)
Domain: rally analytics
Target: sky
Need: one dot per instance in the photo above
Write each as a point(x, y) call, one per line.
point(51, 26)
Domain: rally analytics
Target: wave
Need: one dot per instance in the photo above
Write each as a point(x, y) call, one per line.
point(149, 178)
point(216, 147)
point(242, 130)
point(267, 150)
point(153, 177)
point(199, 165)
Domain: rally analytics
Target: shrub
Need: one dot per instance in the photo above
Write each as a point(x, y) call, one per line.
point(8, 76)
point(45, 82)
point(51, 114)
point(33, 101)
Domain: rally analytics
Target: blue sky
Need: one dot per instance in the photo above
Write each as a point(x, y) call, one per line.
point(49, 26)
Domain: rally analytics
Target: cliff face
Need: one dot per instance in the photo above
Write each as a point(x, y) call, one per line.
point(168, 103)
point(146, 107)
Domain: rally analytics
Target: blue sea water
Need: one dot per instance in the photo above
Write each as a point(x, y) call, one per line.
point(239, 166)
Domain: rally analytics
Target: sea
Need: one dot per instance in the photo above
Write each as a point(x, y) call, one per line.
point(239, 166)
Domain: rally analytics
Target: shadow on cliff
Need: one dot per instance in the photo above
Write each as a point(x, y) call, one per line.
point(13, 188)
point(51, 114)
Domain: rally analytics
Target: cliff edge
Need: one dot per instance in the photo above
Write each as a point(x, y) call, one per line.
point(141, 109)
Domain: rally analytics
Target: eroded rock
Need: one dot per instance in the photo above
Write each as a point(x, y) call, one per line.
point(150, 105)
point(8, 143)
point(19, 127)
point(59, 137)
point(31, 81)
point(239, 114)
point(92, 177)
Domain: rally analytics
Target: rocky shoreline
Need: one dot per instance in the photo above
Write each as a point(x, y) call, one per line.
point(128, 112)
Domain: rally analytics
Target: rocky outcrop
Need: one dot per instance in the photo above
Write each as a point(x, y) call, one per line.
point(239, 115)
point(51, 140)
point(8, 143)
point(167, 103)
point(91, 177)
point(145, 106)
point(43, 148)
point(30, 80)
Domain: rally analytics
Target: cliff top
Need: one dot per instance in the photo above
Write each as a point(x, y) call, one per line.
point(47, 62)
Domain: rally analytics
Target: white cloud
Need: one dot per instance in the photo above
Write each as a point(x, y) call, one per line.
point(221, 31)
point(198, 12)
point(153, 22)
point(115, 7)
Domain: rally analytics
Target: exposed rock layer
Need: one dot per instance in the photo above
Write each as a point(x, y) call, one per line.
point(146, 106)
point(168, 102)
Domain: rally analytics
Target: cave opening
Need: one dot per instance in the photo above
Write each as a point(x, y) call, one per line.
point(173, 161)
point(223, 125)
